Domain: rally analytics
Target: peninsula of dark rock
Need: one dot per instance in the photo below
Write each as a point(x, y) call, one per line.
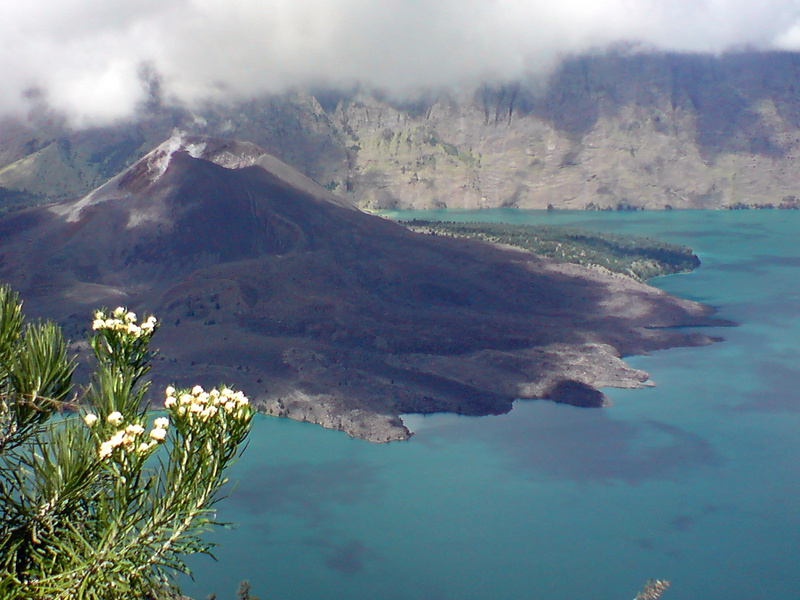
point(323, 313)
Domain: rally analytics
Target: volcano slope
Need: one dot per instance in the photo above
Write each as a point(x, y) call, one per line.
point(323, 313)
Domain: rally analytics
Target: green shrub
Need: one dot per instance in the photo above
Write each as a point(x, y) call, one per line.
point(637, 257)
point(103, 501)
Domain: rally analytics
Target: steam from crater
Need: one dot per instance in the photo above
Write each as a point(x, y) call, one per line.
point(97, 60)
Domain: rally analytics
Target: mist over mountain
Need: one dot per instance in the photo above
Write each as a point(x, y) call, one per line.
point(96, 63)
point(618, 129)
point(319, 311)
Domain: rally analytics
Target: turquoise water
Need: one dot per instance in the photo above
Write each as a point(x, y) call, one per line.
point(695, 480)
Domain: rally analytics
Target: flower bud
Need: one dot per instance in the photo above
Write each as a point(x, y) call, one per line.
point(135, 429)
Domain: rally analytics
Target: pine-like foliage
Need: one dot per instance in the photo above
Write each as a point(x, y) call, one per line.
point(103, 502)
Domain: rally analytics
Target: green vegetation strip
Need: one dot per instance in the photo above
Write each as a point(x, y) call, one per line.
point(638, 257)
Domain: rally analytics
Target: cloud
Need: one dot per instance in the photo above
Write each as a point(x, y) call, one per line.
point(790, 39)
point(86, 56)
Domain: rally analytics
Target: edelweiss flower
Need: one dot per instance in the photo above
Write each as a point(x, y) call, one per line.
point(216, 405)
point(159, 434)
point(105, 450)
point(118, 439)
point(208, 412)
point(123, 320)
point(115, 418)
point(135, 429)
point(161, 423)
point(90, 419)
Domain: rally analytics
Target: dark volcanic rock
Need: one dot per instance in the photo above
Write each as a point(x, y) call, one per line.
point(319, 311)
point(576, 393)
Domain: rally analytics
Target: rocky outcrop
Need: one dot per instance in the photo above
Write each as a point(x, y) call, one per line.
point(576, 393)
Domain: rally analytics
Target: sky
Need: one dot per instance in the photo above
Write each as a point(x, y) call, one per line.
point(88, 58)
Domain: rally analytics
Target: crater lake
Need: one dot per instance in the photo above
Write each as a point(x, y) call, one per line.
point(694, 480)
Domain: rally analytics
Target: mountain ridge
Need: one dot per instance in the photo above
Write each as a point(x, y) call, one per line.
point(620, 129)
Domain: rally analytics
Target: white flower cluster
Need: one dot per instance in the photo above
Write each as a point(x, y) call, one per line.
point(122, 320)
point(129, 438)
point(202, 405)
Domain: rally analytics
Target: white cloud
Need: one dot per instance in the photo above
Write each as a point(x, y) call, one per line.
point(789, 39)
point(85, 54)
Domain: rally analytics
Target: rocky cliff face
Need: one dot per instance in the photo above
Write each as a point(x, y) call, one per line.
point(612, 131)
point(617, 130)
